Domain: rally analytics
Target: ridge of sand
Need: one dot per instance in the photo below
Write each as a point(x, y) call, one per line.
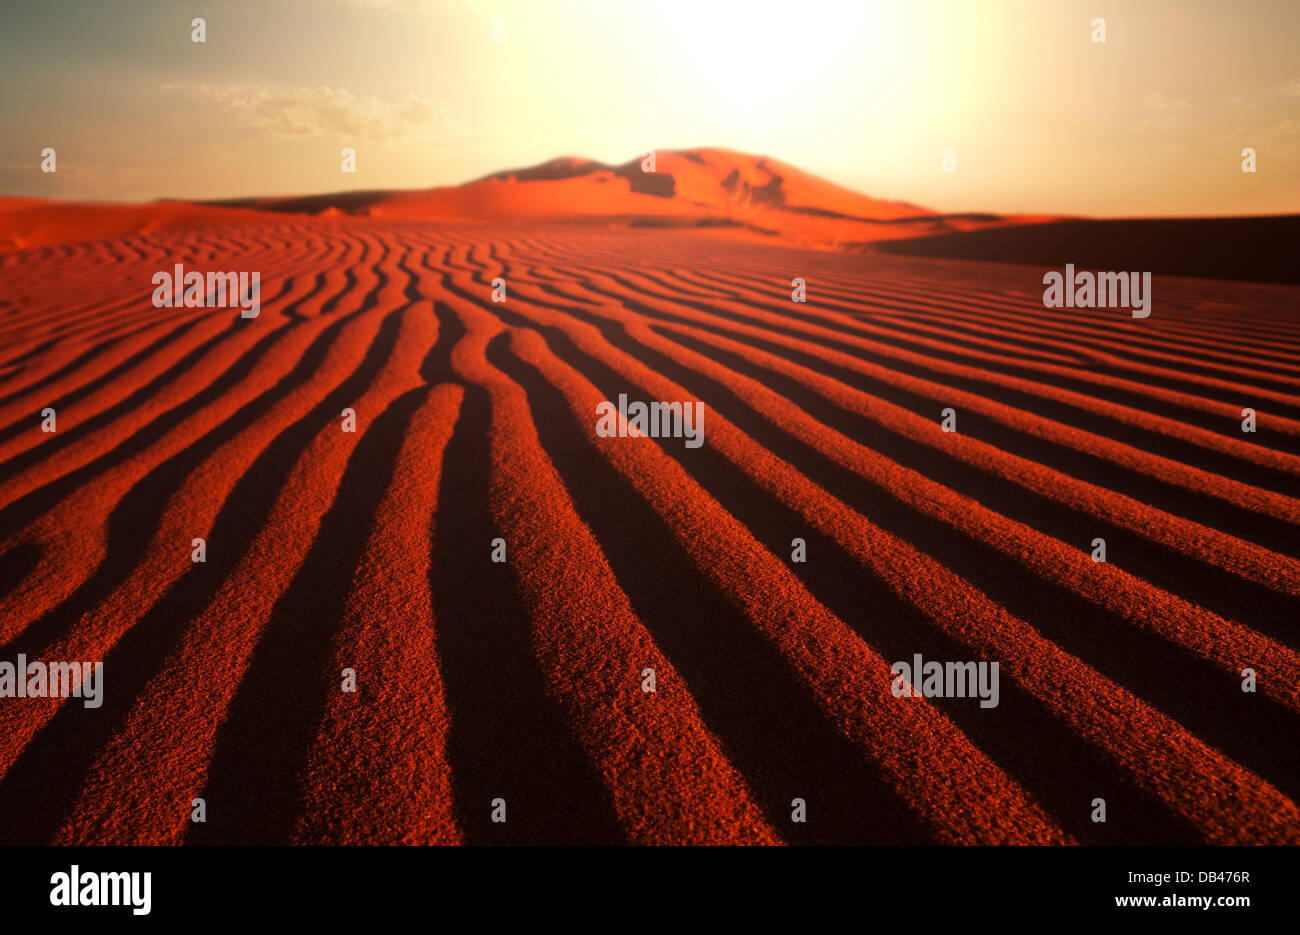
point(522, 680)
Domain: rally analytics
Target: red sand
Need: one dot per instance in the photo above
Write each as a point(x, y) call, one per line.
point(747, 196)
point(522, 681)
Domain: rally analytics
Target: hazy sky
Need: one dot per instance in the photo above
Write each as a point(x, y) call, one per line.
point(867, 93)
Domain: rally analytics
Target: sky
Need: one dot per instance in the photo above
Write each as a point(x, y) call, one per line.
point(1040, 118)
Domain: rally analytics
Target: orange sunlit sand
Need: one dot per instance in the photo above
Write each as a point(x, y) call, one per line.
point(327, 550)
point(750, 195)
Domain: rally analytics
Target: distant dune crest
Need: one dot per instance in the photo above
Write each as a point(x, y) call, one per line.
point(725, 193)
point(706, 188)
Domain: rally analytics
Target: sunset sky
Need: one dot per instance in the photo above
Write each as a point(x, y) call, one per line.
point(867, 94)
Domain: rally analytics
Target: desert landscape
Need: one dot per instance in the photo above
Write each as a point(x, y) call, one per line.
point(499, 578)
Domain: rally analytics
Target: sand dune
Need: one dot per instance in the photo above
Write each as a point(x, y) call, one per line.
point(748, 195)
point(329, 550)
point(35, 222)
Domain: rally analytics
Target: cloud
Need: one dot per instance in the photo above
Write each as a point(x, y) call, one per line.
point(1282, 137)
point(314, 111)
point(1292, 88)
point(1159, 101)
point(1163, 112)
